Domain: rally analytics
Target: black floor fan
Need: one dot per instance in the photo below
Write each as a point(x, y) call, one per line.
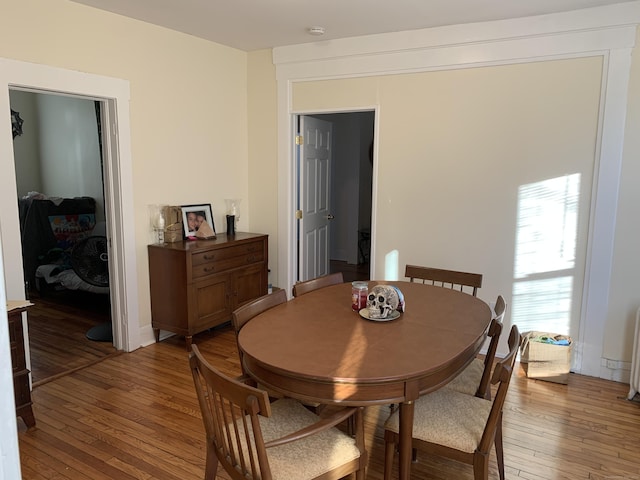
point(90, 261)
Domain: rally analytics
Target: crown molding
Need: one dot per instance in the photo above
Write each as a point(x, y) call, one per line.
point(599, 28)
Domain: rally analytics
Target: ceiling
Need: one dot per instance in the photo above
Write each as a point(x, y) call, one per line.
point(257, 24)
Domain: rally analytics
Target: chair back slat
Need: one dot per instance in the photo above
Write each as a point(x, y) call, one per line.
point(495, 330)
point(307, 286)
point(230, 412)
point(463, 281)
point(502, 374)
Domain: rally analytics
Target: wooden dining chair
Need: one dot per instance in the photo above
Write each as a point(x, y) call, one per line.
point(475, 379)
point(459, 426)
point(255, 439)
point(462, 281)
point(243, 314)
point(307, 286)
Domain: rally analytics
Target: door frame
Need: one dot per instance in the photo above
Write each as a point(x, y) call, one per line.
point(118, 183)
point(294, 237)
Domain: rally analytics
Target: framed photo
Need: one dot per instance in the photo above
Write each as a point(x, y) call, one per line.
point(194, 215)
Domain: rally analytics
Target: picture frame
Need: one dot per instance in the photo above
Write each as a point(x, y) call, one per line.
point(192, 215)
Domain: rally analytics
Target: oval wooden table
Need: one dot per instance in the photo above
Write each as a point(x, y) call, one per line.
point(316, 348)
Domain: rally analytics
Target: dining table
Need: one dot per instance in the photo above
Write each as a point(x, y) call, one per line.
point(316, 348)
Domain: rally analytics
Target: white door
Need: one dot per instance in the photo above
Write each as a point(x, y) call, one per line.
point(314, 156)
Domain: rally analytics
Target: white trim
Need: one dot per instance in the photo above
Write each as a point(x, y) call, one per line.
point(603, 215)
point(599, 19)
point(9, 453)
point(604, 31)
point(115, 92)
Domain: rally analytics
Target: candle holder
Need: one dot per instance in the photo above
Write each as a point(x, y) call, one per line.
point(233, 214)
point(158, 222)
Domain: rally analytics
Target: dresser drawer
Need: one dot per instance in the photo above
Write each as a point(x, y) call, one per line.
point(21, 390)
point(226, 253)
point(218, 266)
point(16, 340)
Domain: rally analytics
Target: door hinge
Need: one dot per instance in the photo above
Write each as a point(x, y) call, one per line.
point(299, 139)
point(298, 214)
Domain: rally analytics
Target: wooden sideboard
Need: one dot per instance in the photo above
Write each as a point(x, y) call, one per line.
point(197, 284)
point(21, 386)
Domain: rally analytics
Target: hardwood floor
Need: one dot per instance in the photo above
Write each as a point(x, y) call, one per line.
point(135, 416)
point(350, 272)
point(58, 323)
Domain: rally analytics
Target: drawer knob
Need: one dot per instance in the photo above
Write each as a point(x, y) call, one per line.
point(209, 269)
point(209, 257)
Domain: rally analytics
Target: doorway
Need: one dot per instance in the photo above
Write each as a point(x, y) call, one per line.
point(60, 185)
point(114, 95)
point(349, 193)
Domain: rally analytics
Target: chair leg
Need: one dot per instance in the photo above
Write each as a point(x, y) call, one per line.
point(211, 466)
point(389, 452)
point(499, 451)
point(480, 466)
point(357, 424)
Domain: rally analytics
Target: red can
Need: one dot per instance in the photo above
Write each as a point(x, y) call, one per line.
point(359, 292)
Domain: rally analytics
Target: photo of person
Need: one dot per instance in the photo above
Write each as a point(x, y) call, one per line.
point(200, 217)
point(193, 217)
point(191, 221)
point(194, 220)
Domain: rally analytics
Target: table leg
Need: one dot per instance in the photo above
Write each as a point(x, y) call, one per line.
point(405, 433)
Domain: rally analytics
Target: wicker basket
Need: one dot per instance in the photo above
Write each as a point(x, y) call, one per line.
point(173, 232)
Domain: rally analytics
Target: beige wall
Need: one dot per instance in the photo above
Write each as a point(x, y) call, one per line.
point(263, 136)
point(188, 105)
point(455, 145)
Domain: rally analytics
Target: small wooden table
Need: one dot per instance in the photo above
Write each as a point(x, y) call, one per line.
point(315, 348)
point(21, 385)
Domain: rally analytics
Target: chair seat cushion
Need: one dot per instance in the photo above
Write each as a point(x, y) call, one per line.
point(438, 419)
point(469, 380)
point(306, 458)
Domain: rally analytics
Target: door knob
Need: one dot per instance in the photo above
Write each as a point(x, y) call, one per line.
point(329, 217)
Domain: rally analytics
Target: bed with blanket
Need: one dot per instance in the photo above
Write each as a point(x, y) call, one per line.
point(52, 232)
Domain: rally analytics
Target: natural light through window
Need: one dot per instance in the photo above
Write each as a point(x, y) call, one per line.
point(545, 256)
point(391, 265)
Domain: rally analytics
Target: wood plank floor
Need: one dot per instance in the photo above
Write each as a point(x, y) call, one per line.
point(350, 272)
point(58, 323)
point(135, 416)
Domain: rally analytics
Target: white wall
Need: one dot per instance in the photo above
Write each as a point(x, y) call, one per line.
point(366, 170)
point(344, 186)
point(69, 148)
point(350, 181)
point(625, 285)
point(27, 146)
point(59, 154)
